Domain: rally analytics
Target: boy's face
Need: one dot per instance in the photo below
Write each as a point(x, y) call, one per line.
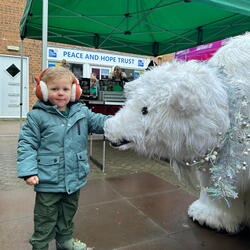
point(59, 92)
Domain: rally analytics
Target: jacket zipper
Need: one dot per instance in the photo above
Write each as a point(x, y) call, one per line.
point(78, 128)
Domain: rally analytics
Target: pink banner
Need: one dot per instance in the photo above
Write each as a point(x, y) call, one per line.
point(202, 52)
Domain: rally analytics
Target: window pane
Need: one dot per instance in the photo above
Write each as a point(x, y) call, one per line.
point(97, 72)
point(77, 69)
point(104, 73)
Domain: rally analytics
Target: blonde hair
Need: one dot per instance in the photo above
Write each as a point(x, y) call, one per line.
point(93, 79)
point(65, 64)
point(117, 73)
point(57, 72)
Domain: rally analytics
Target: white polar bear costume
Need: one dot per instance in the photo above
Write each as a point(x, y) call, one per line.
point(197, 115)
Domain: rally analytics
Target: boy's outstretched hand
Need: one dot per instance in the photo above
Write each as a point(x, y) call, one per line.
point(32, 180)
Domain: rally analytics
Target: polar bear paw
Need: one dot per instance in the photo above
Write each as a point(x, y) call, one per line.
point(214, 217)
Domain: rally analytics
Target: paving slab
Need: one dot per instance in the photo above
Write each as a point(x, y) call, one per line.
point(137, 203)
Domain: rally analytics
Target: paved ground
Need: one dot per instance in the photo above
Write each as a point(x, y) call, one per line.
point(117, 162)
point(136, 204)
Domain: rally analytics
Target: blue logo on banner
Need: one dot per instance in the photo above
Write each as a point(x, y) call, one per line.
point(140, 63)
point(52, 53)
point(51, 65)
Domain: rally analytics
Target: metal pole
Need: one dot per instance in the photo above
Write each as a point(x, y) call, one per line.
point(91, 145)
point(104, 155)
point(21, 84)
point(45, 34)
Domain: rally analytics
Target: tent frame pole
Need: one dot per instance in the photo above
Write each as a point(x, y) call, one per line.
point(45, 35)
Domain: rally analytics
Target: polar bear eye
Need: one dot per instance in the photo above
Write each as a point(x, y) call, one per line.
point(144, 110)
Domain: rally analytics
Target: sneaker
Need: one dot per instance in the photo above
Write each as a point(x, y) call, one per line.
point(72, 244)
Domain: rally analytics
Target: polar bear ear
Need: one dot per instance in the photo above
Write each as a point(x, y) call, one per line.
point(184, 102)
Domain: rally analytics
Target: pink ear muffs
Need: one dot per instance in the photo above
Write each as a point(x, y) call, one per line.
point(41, 89)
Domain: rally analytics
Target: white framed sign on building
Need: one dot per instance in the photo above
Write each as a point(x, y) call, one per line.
point(85, 62)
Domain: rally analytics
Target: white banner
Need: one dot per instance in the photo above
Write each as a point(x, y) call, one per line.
point(97, 58)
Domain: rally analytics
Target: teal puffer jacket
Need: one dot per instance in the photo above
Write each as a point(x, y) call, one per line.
point(54, 147)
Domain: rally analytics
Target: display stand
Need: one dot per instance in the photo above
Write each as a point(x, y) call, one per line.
point(107, 103)
point(96, 162)
point(107, 108)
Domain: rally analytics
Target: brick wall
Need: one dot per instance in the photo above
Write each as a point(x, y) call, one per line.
point(10, 14)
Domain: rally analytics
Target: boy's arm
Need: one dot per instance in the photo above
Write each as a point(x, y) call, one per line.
point(96, 122)
point(28, 144)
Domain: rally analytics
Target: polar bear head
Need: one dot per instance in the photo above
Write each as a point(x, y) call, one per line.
point(176, 110)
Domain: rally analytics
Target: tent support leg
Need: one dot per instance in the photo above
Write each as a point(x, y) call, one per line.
point(45, 34)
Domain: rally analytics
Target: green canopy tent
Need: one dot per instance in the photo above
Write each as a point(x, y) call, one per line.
point(145, 27)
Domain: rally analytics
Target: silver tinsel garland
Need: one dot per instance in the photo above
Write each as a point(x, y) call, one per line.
point(230, 156)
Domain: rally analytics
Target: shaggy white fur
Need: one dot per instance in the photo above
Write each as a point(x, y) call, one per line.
point(182, 111)
point(175, 110)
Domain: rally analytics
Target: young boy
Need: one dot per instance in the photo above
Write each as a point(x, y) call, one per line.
point(52, 156)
